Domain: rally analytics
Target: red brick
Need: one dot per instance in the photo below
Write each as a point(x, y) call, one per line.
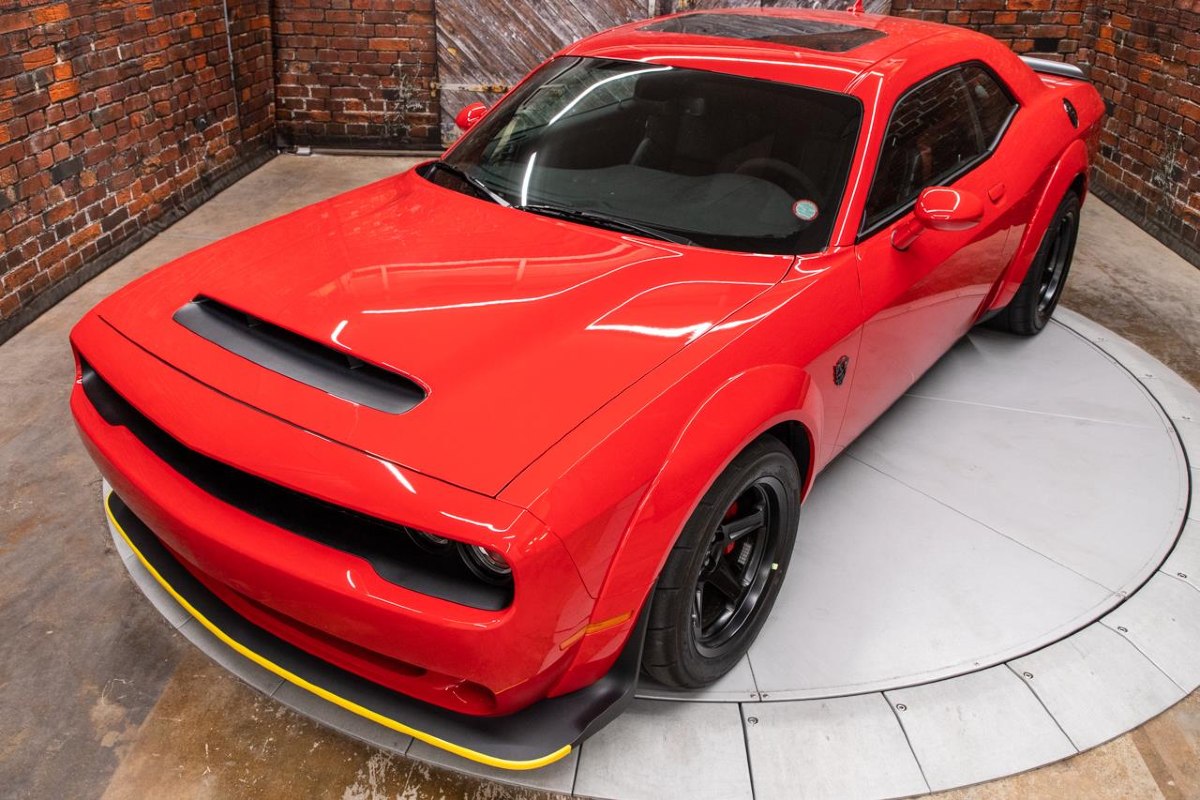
point(54, 13)
point(11, 21)
point(63, 90)
point(41, 57)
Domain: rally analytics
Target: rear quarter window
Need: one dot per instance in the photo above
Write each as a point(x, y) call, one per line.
point(931, 136)
point(994, 106)
point(938, 130)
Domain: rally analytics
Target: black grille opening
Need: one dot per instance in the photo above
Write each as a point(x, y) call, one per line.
point(829, 37)
point(388, 547)
point(299, 358)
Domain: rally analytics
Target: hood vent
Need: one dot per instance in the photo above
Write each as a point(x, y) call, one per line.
point(301, 359)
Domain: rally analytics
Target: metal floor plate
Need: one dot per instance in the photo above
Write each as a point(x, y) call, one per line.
point(1019, 580)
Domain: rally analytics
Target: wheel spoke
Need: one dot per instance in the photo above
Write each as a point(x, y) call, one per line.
point(737, 569)
point(737, 528)
point(726, 581)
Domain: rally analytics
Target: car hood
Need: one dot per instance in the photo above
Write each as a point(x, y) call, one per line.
point(517, 327)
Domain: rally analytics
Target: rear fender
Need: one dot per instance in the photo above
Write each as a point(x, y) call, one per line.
point(742, 410)
point(1072, 165)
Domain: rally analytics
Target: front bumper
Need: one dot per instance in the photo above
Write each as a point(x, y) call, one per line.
point(432, 658)
point(534, 737)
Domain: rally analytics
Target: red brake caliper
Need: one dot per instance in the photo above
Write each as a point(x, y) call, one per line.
point(730, 514)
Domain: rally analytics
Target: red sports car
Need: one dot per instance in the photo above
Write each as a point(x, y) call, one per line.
point(468, 449)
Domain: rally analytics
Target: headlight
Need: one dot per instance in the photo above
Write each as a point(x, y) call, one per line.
point(444, 559)
point(486, 564)
point(428, 541)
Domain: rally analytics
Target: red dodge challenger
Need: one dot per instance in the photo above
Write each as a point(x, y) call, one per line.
point(467, 450)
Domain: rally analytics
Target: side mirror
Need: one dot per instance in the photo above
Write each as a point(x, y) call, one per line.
point(470, 115)
point(941, 209)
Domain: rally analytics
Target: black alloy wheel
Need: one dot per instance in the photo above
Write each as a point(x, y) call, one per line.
point(725, 571)
point(740, 563)
point(1057, 263)
point(1034, 304)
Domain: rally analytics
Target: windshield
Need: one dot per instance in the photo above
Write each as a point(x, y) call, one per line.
point(699, 157)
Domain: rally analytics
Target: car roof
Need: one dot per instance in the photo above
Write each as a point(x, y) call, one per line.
point(666, 40)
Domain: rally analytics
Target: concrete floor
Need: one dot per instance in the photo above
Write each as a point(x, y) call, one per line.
point(100, 698)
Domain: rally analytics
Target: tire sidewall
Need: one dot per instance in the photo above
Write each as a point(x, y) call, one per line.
point(773, 461)
point(1070, 205)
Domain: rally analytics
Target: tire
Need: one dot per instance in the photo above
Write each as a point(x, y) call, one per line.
point(697, 630)
point(1042, 288)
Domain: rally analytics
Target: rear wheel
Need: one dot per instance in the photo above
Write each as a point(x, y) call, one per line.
point(1042, 288)
point(725, 571)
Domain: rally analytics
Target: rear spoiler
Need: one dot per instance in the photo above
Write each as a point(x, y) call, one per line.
point(1059, 68)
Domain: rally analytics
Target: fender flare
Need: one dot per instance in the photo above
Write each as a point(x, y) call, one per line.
point(740, 411)
point(1071, 165)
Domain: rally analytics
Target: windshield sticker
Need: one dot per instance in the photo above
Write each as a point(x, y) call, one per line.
point(806, 210)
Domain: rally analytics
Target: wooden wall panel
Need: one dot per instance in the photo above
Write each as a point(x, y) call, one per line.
point(484, 46)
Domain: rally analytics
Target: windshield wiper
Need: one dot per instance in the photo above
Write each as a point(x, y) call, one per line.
point(605, 221)
point(471, 181)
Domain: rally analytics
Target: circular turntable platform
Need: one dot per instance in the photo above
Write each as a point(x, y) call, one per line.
point(999, 574)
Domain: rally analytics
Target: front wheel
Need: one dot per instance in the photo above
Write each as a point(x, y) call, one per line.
point(723, 575)
point(1034, 303)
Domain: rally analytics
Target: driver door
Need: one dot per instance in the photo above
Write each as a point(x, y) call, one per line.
point(919, 301)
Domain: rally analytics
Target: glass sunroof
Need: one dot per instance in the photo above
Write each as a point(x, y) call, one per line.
point(830, 37)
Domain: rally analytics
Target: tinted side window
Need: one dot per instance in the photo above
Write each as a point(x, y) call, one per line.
point(992, 103)
point(931, 136)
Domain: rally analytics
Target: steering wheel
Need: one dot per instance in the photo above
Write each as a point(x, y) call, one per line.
point(765, 165)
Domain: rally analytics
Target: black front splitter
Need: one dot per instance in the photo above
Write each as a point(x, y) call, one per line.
point(533, 737)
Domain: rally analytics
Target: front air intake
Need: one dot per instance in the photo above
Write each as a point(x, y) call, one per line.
point(391, 548)
point(301, 359)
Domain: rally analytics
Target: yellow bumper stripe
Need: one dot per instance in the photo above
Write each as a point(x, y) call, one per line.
point(290, 677)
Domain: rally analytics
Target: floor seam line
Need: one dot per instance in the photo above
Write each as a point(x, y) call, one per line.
point(1175, 577)
point(1146, 656)
point(907, 740)
point(757, 689)
point(983, 524)
point(1042, 703)
point(1028, 411)
point(1151, 661)
point(746, 742)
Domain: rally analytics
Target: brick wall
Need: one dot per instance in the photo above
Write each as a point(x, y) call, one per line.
point(115, 119)
point(1144, 56)
point(355, 72)
point(1146, 60)
point(253, 71)
point(1045, 28)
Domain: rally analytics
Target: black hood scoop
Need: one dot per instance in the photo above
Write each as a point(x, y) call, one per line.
point(299, 358)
